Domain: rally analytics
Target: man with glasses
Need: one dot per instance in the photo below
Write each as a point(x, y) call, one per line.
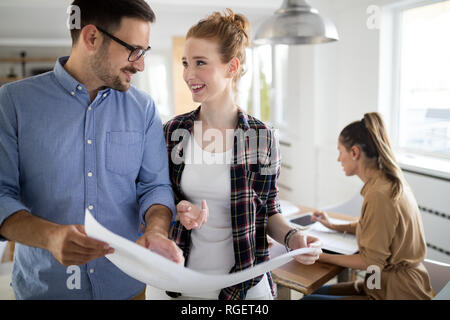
point(135, 52)
point(81, 137)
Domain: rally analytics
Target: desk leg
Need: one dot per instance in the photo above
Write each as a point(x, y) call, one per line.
point(347, 275)
point(8, 254)
point(283, 293)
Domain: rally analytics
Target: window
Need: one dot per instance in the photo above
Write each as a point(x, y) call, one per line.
point(422, 95)
point(155, 81)
point(254, 87)
point(260, 90)
point(245, 89)
point(158, 82)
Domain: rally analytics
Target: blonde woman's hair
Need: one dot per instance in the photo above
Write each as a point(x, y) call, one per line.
point(231, 32)
point(371, 137)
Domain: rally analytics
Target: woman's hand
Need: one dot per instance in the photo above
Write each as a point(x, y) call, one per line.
point(322, 217)
point(299, 240)
point(191, 216)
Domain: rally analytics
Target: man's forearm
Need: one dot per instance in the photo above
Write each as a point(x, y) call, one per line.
point(158, 219)
point(27, 229)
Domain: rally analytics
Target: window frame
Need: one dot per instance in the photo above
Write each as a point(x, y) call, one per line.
point(397, 20)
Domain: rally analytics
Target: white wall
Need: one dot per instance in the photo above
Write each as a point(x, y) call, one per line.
point(331, 85)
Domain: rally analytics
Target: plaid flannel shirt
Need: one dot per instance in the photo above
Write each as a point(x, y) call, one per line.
point(254, 193)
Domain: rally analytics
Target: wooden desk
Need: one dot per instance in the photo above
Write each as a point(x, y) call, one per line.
point(306, 278)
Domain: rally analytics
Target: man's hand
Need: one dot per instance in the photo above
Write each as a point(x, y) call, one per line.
point(71, 246)
point(298, 241)
point(155, 237)
point(160, 244)
point(191, 216)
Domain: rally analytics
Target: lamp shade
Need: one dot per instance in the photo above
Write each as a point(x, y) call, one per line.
point(296, 22)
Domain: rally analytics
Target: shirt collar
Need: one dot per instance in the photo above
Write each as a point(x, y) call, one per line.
point(371, 181)
point(64, 78)
point(242, 119)
point(67, 81)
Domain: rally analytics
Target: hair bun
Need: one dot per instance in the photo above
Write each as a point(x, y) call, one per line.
point(240, 22)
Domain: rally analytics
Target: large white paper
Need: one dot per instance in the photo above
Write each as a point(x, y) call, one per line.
point(157, 271)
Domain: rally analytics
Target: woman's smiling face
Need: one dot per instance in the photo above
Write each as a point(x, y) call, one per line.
point(206, 75)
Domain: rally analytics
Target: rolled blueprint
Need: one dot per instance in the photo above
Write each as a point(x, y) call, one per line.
point(157, 271)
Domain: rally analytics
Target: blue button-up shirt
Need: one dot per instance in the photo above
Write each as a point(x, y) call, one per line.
point(60, 153)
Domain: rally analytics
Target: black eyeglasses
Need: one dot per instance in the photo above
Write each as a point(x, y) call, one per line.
point(136, 52)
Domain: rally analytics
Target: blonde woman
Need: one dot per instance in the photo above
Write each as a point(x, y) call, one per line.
point(240, 195)
point(389, 232)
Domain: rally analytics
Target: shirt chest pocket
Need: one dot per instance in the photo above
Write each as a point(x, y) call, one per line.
point(258, 182)
point(123, 151)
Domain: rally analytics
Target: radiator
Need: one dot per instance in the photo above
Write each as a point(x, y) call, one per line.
point(433, 198)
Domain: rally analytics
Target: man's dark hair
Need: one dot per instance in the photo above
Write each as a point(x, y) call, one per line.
point(108, 14)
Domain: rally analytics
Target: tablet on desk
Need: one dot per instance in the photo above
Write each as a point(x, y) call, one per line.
point(304, 220)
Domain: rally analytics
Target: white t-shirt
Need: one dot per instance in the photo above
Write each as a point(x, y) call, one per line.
point(206, 176)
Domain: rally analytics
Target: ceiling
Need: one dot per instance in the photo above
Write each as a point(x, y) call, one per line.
point(43, 22)
point(268, 4)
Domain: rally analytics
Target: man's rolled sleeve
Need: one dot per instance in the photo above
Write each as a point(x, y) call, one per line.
point(161, 195)
point(153, 186)
point(9, 159)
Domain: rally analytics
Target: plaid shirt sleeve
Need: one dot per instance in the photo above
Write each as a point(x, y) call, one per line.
point(273, 167)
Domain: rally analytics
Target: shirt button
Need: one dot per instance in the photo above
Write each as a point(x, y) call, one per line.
point(80, 88)
point(89, 108)
point(89, 141)
point(104, 95)
point(89, 174)
point(91, 207)
point(72, 93)
point(91, 270)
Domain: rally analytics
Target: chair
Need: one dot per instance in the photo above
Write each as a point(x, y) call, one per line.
point(439, 277)
point(350, 207)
